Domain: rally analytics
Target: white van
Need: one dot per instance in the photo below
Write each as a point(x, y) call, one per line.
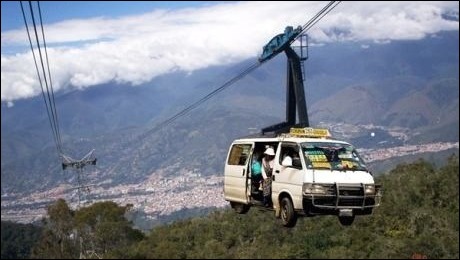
point(323, 177)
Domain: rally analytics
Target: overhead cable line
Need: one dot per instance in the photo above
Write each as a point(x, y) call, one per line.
point(51, 101)
point(49, 77)
point(47, 103)
point(203, 99)
point(307, 26)
point(326, 9)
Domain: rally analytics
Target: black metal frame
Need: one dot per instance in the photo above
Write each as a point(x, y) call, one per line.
point(295, 94)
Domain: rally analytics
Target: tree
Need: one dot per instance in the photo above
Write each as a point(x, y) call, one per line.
point(88, 232)
point(18, 239)
point(59, 237)
point(103, 227)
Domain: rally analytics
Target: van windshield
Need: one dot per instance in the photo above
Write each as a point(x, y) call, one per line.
point(333, 156)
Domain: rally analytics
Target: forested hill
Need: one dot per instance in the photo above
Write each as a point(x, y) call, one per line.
point(419, 217)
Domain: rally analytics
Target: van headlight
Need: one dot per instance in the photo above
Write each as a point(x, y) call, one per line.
point(310, 188)
point(369, 189)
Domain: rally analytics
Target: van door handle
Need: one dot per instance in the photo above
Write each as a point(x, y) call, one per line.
point(243, 172)
point(277, 171)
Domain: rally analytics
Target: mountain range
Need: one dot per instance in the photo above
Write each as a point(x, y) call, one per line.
point(409, 84)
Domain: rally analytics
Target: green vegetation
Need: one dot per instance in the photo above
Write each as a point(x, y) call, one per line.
point(18, 239)
point(419, 216)
point(88, 232)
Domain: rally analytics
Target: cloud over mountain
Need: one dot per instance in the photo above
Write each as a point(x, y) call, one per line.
point(135, 49)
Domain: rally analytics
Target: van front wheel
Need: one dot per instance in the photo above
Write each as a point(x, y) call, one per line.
point(288, 216)
point(239, 208)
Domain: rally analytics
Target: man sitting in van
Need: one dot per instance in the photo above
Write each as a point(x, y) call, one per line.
point(287, 160)
point(289, 156)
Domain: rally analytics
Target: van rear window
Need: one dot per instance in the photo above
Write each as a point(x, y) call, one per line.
point(239, 154)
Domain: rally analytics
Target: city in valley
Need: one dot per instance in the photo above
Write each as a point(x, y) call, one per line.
point(157, 196)
point(161, 195)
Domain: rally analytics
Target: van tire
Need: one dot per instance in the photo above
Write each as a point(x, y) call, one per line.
point(346, 221)
point(288, 215)
point(239, 208)
point(368, 211)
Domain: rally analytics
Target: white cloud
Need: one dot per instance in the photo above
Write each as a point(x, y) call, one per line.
point(135, 49)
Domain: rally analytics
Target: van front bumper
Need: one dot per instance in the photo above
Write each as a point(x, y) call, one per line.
point(335, 197)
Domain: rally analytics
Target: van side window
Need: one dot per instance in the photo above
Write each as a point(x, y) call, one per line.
point(239, 154)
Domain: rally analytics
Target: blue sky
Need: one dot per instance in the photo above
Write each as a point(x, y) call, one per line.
point(131, 43)
point(55, 11)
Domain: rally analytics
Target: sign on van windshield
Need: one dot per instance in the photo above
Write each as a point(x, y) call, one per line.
point(332, 156)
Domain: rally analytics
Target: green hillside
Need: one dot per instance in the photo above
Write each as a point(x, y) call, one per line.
point(419, 215)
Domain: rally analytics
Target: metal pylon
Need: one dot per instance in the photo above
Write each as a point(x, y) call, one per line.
point(78, 165)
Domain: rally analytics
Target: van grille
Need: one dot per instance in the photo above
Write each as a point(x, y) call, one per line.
point(348, 197)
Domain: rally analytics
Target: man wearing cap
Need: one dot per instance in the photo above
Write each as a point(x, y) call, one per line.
point(267, 169)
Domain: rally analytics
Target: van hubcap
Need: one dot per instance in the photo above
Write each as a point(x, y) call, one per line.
point(284, 212)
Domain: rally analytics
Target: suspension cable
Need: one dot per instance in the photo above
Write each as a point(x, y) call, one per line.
point(316, 18)
point(203, 99)
point(306, 28)
point(52, 105)
point(228, 83)
point(53, 118)
point(49, 77)
point(50, 119)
